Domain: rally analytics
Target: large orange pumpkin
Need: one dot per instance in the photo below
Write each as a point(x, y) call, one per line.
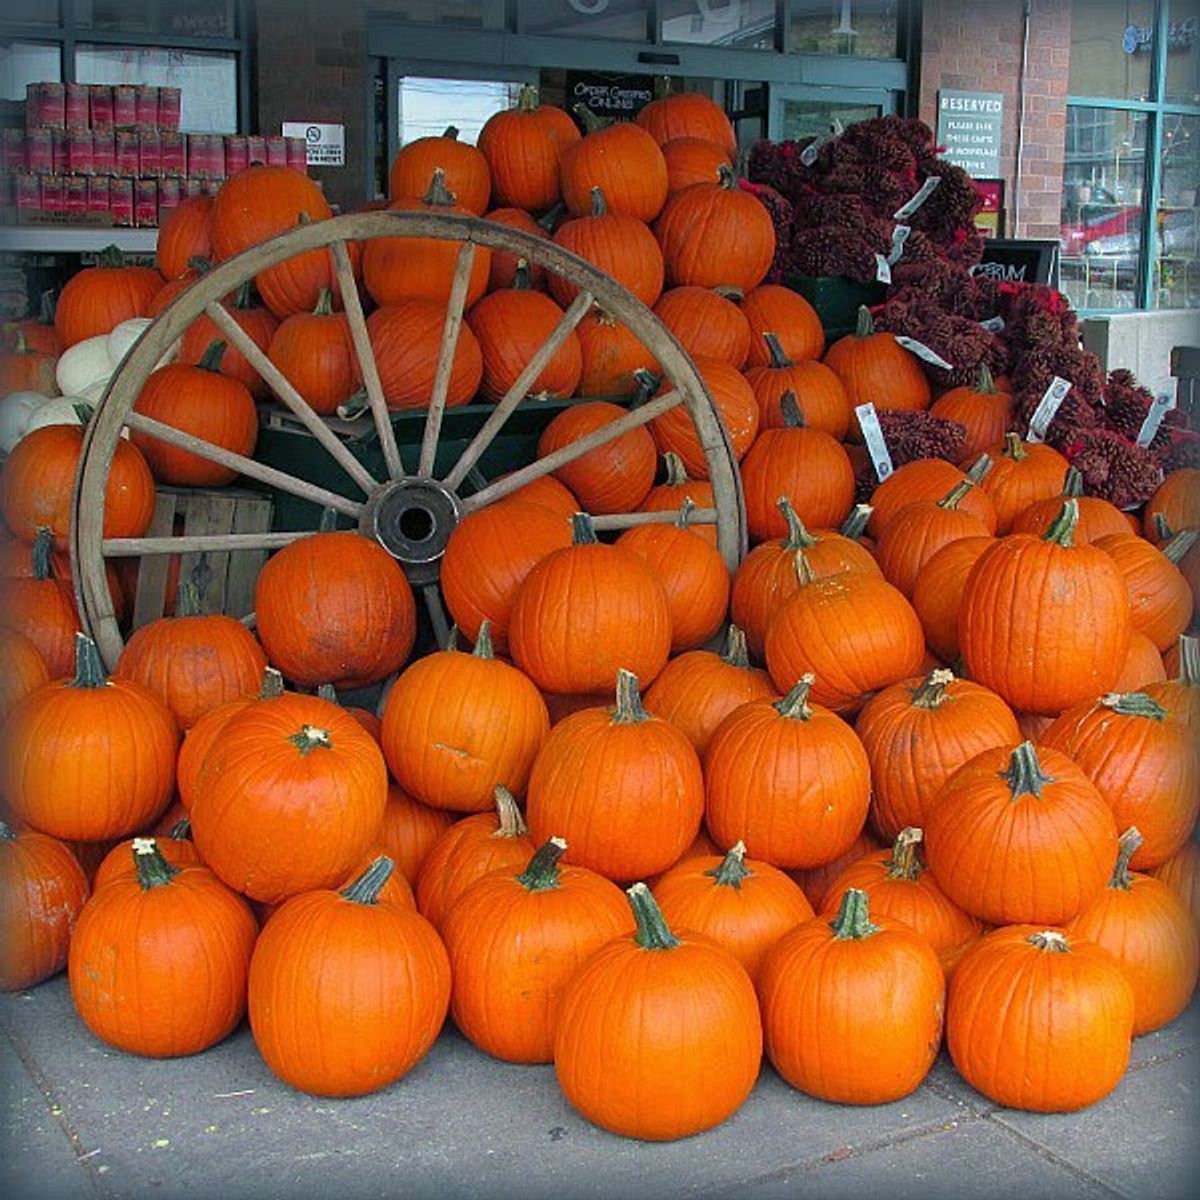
point(1022, 473)
point(817, 390)
point(692, 160)
point(406, 339)
point(1180, 696)
point(930, 479)
point(677, 487)
point(1143, 665)
point(97, 299)
point(1181, 873)
point(1160, 601)
point(625, 163)
point(176, 847)
point(184, 234)
point(688, 115)
point(706, 323)
point(938, 591)
point(315, 354)
point(523, 147)
point(409, 831)
point(464, 170)
point(612, 357)
point(257, 322)
point(504, 265)
point(1176, 501)
point(773, 308)
point(1097, 518)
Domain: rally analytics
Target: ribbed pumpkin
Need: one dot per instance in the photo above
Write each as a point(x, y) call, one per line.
point(698, 690)
point(677, 487)
point(546, 492)
point(1180, 696)
point(918, 733)
point(919, 531)
point(1160, 601)
point(692, 573)
point(875, 369)
point(1143, 665)
point(1181, 873)
point(666, 1077)
point(16, 562)
point(1148, 929)
point(807, 466)
point(789, 779)
point(97, 299)
point(818, 392)
point(515, 939)
point(23, 369)
point(289, 798)
point(816, 882)
point(453, 755)
point(744, 906)
point(1020, 835)
point(1142, 764)
point(504, 265)
point(203, 402)
point(176, 847)
point(1044, 622)
point(898, 884)
point(766, 577)
point(982, 409)
point(487, 558)
point(618, 244)
point(42, 890)
point(523, 146)
point(39, 477)
point(715, 235)
point(706, 323)
point(355, 629)
point(406, 339)
point(184, 234)
point(1176, 501)
point(1022, 473)
point(159, 958)
point(875, 989)
point(172, 290)
point(41, 609)
point(511, 326)
point(22, 669)
point(259, 323)
point(773, 308)
point(54, 739)
point(621, 160)
point(612, 356)
point(930, 479)
point(1097, 518)
point(733, 398)
point(615, 476)
point(464, 170)
point(692, 160)
point(315, 354)
point(347, 963)
point(1039, 1020)
point(623, 788)
point(409, 831)
point(854, 631)
point(690, 115)
point(585, 611)
point(938, 591)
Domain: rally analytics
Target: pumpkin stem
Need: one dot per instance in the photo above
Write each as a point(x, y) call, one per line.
point(43, 545)
point(310, 737)
point(729, 291)
point(599, 204)
point(152, 869)
point(793, 415)
point(904, 863)
point(985, 383)
point(541, 875)
point(1072, 482)
point(684, 519)
point(366, 888)
point(242, 298)
point(591, 122)
point(854, 524)
point(328, 521)
point(798, 538)
point(549, 219)
point(211, 359)
point(954, 497)
point(865, 325)
point(775, 348)
point(520, 281)
point(1181, 544)
point(795, 704)
point(89, 670)
point(20, 345)
point(647, 384)
point(725, 177)
point(1134, 704)
point(1127, 844)
point(979, 468)
point(199, 264)
point(1189, 659)
point(451, 639)
point(438, 195)
point(736, 653)
point(511, 823)
point(676, 471)
point(47, 303)
point(451, 132)
point(583, 530)
point(326, 691)
point(6, 833)
point(1025, 775)
point(854, 918)
point(1014, 448)
point(1051, 940)
point(628, 710)
point(1062, 528)
point(804, 569)
point(354, 406)
point(1162, 527)
point(527, 99)
point(652, 930)
point(931, 691)
point(181, 831)
point(324, 306)
point(483, 641)
point(110, 256)
point(187, 599)
point(732, 869)
point(272, 684)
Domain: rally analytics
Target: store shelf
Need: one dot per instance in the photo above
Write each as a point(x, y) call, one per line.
point(65, 240)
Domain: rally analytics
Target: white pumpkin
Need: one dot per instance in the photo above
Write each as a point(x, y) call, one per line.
point(83, 364)
point(59, 411)
point(16, 409)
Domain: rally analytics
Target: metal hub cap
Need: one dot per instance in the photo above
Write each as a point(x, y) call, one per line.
point(412, 519)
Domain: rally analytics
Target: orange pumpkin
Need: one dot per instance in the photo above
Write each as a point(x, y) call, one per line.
point(504, 265)
point(816, 882)
point(1180, 696)
point(406, 339)
point(692, 160)
point(1022, 473)
point(409, 831)
point(1160, 601)
point(817, 390)
point(612, 356)
point(1181, 873)
point(315, 354)
point(773, 308)
point(1143, 665)
point(121, 861)
point(677, 487)
point(41, 610)
point(930, 479)
point(625, 163)
point(706, 323)
point(258, 322)
point(464, 170)
point(938, 591)
point(1176, 501)
point(1097, 518)
point(523, 146)
point(22, 669)
point(23, 369)
point(97, 299)
point(688, 115)
point(984, 410)
point(184, 234)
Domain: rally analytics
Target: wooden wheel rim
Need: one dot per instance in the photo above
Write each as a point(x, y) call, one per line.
point(112, 413)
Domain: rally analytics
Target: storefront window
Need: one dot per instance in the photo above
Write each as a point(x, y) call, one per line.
point(1183, 53)
point(1177, 274)
point(622, 20)
point(466, 14)
point(427, 106)
point(1112, 48)
point(813, 118)
point(736, 24)
point(27, 62)
point(29, 12)
point(866, 28)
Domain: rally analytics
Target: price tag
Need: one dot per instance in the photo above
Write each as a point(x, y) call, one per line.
point(1154, 418)
point(872, 431)
point(993, 324)
point(922, 351)
point(808, 155)
point(927, 189)
point(883, 271)
point(899, 237)
point(1048, 405)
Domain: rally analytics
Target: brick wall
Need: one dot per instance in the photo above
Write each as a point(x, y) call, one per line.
point(976, 45)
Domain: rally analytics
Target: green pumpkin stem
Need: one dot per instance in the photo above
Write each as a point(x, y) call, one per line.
point(1024, 775)
point(683, 519)
point(1050, 940)
point(732, 869)
point(509, 822)
point(853, 919)
point(324, 306)
point(366, 888)
point(1189, 659)
point(326, 691)
point(1062, 528)
point(985, 384)
point(648, 382)
point(451, 133)
point(328, 523)
point(676, 471)
point(483, 642)
point(1134, 704)
point(583, 530)
point(736, 653)
point(798, 538)
point(726, 177)
point(793, 414)
point(865, 324)
point(272, 684)
point(795, 704)
point(1072, 482)
point(541, 875)
point(955, 496)
point(6, 832)
point(652, 930)
point(779, 358)
point(242, 298)
point(437, 195)
point(187, 599)
point(804, 569)
point(152, 869)
point(628, 710)
point(592, 122)
point(527, 98)
point(1014, 448)
point(1127, 846)
point(1162, 527)
point(199, 264)
point(451, 639)
point(1180, 545)
point(181, 831)
point(855, 524)
point(43, 547)
point(599, 204)
point(978, 470)
point(904, 863)
point(520, 280)
point(20, 345)
point(110, 256)
point(931, 691)
point(309, 737)
point(89, 670)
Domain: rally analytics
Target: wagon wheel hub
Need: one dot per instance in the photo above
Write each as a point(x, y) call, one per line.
point(412, 519)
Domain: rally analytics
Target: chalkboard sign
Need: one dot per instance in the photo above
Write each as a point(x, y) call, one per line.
point(609, 95)
point(1019, 261)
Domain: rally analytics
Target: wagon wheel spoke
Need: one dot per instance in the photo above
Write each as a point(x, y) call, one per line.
point(437, 613)
point(698, 516)
point(569, 453)
point(519, 390)
point(275, 379)
point(366, 360)
point(200, 543)
point(445, 364)
point(242, 465)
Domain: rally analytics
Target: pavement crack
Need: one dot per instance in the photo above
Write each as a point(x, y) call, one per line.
point(1043, 1151)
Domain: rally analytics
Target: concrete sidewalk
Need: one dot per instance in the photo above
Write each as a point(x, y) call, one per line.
point(85, 1121)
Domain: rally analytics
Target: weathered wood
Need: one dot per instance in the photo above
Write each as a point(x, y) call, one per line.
point(251, 520)
point(154, 546)
point(207, 513)
point(437, 614)
point(151, 595)
point(698, 516)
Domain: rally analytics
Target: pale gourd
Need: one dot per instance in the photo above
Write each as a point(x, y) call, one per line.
point(83, 364)
point(16, 409)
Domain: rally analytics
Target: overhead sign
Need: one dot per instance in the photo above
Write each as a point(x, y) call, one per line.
point(608, 94)
point(325, 145)
point(970, 126)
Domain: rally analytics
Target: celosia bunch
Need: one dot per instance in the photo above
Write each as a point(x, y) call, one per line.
point(909, 435)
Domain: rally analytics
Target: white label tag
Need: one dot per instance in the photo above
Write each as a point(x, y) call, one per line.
point(883, 272)
point(872, 431)
point(837, 128)
point(1048, 405)
point(899, 237)
point(922, 351)
point(1154, 418)
point(927, 189)
point(993, 324)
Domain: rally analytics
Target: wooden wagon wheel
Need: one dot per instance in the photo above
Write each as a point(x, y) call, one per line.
point(383, 507)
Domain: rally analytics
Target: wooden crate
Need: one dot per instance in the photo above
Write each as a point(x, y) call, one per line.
point(230, 575)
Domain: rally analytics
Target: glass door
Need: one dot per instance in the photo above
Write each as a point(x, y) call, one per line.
point(800, 111)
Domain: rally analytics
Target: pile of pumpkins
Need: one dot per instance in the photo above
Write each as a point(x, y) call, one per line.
point(939, 773)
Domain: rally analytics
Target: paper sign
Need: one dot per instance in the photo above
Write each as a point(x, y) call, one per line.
point(1048, 405)
point(872, 431)
point(1159, 409)
point(325, 145)
point(922, 351)
point(883, 271)
point(927, 189)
